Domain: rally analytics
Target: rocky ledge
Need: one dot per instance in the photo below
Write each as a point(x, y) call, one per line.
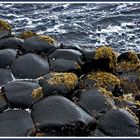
point(53, 89)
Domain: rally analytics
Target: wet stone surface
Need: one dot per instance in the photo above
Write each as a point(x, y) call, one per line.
point(5, 76)
point(69, 54)
point(30, 66)
point(23, 93)
point(11, 42)
point(58, 111)
point(39, 44)
point(7, 56)
point(64, 65)
point(95, 102)
point(16, 123)
point(119, 123)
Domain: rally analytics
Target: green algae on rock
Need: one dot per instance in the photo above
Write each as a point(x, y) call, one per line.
point(5, 29)
point(59, 83)
point(99, 79)
point(127, 62)
point(105, 59)
point(38, 43)
point(4, 25)
point(27, 34)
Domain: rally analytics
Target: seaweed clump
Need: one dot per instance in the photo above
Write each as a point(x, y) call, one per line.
point(105, 59)
point(127, 62)
point(101, 79)
point(27, 34)
point(49, 39)
point(70, 80)
point(37, 93)
point(4, 25)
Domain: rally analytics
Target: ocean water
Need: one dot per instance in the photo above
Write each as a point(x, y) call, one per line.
point(85, 25)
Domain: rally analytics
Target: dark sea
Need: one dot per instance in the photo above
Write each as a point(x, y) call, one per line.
point(83, 25)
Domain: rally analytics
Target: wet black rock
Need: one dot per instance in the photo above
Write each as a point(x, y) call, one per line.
point(22, 94)
point(69, 54)
point(3, 103)
point(7, 56)
point(11, 42)
point(63, 65)
point(16, 123)
point(30, 66)
point(58, 111)
point(39, 44)
point(5, 76)
point(4, 33)
point(95, 102)
point(59, 83)
point(119, 122)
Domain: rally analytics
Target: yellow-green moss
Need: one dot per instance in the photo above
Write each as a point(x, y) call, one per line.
point(104, 79)
point(40, 134)
point(37, 93)
point(105, 92)
point(49, 39)
point(131, 65)
point(77, 66)
point(68, 79)
point(4, 25)
point(27, 34)
point(105, 52)
point(129, 86)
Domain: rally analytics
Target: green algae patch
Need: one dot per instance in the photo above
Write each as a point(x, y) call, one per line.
point(104, 79)
point(130, 63)
point(4, 25)
point(49, 39)
point(27, 34)
point(37, 93)
point(70, 80)
point(105, 55)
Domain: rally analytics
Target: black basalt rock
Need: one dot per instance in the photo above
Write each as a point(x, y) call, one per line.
point(16, 123)
point(30, 66)
point(58, 111)
point(95, 102)
point(7, 56)
point(5, 76)
point(39, 44)
point(69, 54)
point(63, 65)
point(10, 42)
point(119, 122)
point(23, 93)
